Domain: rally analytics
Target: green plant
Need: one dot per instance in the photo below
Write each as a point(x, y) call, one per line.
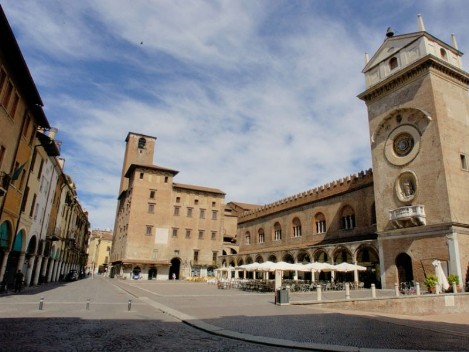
point(453, 279)
point(430, 281)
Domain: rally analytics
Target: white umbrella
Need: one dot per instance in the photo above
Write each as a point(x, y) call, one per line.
point(320, 266)
point(345, 267)
point(440, 274)
point(284, 266)
point(249, 267)
point(266, 266)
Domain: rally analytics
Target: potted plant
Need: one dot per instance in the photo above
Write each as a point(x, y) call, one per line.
point(453, 279)
point(431, 281)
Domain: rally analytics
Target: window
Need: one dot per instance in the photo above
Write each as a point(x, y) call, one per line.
point(462, 156)
point(201, 234)
point(141, 175)
point(247, 238)
point(31, 210)
point(151, 208)
point(196, 201)
point(149, 230)
point(166, 179)
point(176, 252)
point(25, 198)
point(320, 223)
point(393, 63)
point(443, 54)
point(188, 233)
point(152, 194)
point(296, 224)
point(202, 214)
point(141, 143)
point(7, 95)
point(189, 212)
point(154, 254)
point(2, 155)
point(261, 236)
point(277, 232)
point(176, 211)
point(3, 77)
point(196, 255)
point(214, 235)
point(214, 256)
point(178, 199)
point(214, 204)
point(214, 215)
point(14, 105)
point(39, 173)
point(175, 232)
point(348, 218)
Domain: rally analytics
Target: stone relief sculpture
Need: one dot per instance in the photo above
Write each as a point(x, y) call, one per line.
point(406, 186)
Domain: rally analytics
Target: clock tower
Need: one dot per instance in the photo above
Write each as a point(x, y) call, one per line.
point(418, 111)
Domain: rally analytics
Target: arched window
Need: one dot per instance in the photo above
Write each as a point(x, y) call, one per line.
point(277, 232)
point(443, 54)
point(261, 236)
point(296, 224)
point(247, 238)
point(348, 218)
point(141, 143)
point(392, 63)
point(320, 221)
point(373, 214)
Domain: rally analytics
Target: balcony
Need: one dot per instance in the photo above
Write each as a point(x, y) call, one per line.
point(413, 215)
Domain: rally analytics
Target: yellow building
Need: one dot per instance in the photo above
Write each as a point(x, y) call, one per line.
point(99, 251)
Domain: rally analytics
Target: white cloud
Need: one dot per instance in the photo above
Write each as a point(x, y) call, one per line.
point(253, 97)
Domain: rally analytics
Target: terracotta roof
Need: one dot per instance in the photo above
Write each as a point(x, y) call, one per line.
point(198, 188)
point(132, 168)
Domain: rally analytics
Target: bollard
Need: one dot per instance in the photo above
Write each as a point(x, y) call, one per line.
point(347, 291)
point(396, 288)
point(88, 304)
point(41, 303)
point(373, 291)
point(417, 288)
point(455, 288)
point(129, 306)
point(319, 293)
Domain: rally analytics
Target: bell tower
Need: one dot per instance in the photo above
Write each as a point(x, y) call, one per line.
point(418, 112)
point(139, 150)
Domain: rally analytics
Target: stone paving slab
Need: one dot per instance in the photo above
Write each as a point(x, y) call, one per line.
point(256, 315)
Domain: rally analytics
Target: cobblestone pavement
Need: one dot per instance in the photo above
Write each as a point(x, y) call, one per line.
point(157, 308)
point(64, 323)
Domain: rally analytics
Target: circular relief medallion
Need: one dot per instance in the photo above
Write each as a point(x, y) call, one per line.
point(402, 145)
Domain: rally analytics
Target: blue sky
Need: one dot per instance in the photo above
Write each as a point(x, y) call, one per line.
point(257, 98)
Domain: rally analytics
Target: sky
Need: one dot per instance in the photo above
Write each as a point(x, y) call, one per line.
point(256, 98)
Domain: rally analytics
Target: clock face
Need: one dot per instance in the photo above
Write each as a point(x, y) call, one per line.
point(403, 144)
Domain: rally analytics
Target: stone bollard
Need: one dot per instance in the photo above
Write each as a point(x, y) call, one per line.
point(396, 289)
point(455, 288)
point(417, 289)
point(41, 303)
point(319, 293)
point(347, 291)
point(373, 291)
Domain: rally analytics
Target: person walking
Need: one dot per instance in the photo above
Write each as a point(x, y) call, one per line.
point(18, 281)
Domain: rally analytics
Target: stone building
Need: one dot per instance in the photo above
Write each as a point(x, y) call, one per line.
point(163, 227)
point(413, 207)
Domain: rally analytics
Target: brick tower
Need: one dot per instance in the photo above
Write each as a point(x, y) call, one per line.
point(418, 110)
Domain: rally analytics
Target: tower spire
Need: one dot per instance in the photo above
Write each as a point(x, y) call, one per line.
point(421, 26)
point(454, 43)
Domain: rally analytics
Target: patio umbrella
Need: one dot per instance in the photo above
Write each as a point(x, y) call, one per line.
point(345, 267)
point(440, 274)
point(284, 266)
point(320, 266)
point(266, 266)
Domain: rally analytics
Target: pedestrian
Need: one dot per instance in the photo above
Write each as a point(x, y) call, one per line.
point(174, 276)
point(18, 281)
